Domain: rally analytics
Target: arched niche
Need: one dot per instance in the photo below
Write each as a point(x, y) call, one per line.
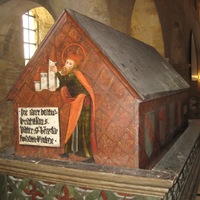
point(11, 27)
point(145, 24)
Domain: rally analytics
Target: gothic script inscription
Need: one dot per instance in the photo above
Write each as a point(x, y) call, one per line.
point(39, 126)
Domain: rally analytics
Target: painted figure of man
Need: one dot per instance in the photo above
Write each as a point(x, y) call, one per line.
point(76, 90)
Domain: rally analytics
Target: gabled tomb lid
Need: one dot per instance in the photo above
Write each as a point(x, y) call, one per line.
point(149, 74)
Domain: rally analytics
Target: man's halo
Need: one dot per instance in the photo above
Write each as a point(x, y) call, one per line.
point(74, 48)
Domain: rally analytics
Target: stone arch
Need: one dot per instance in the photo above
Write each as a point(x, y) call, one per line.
point(145, 24)
point(11, 26)
point(120, 14)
